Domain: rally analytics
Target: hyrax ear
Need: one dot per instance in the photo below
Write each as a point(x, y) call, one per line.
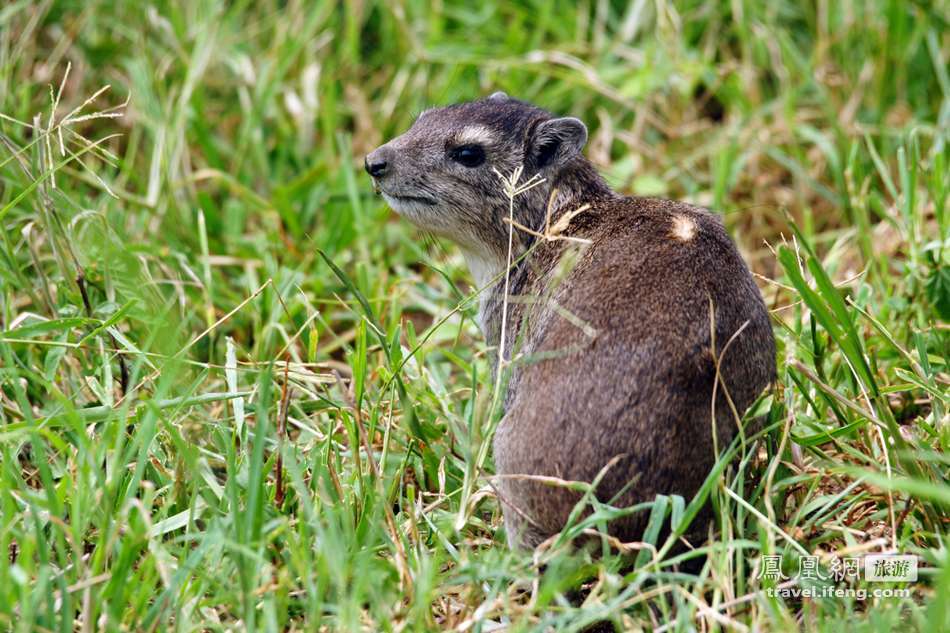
point(556, 140)
point(499, 96)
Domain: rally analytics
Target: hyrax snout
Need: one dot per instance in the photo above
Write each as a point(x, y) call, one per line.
point(613, 355)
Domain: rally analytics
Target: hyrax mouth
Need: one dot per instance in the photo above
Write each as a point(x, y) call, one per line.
point(400, 198)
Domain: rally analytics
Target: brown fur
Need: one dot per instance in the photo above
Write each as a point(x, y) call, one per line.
point(641, 386)
point(612, 356)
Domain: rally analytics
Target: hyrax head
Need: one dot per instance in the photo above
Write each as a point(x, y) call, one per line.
point(443, 174)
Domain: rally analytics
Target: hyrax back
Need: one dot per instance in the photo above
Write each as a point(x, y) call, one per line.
point(613, 336)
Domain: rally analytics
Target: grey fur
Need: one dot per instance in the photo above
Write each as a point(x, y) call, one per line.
point(613, 349)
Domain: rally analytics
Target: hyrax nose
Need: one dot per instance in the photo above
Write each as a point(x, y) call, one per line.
point(377, 162)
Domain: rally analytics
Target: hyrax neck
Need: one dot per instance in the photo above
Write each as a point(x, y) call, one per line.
point(484, 265)
point(488, 263)
point(488, 268)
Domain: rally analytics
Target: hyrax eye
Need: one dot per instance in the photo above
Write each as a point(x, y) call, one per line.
point(468, 155)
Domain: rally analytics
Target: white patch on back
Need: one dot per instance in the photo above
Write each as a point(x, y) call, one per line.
point(684, 228)
point(475, 134)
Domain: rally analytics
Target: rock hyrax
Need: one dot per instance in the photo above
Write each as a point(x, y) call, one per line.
point(611, 356)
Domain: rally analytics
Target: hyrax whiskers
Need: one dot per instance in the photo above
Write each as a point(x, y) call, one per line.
point(614, 357)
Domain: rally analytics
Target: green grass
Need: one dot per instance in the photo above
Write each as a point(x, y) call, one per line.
point(237, 393)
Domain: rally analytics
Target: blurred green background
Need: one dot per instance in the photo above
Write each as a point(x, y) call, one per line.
point(204, 423)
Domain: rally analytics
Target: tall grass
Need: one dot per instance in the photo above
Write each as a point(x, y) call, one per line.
point(236, 393)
